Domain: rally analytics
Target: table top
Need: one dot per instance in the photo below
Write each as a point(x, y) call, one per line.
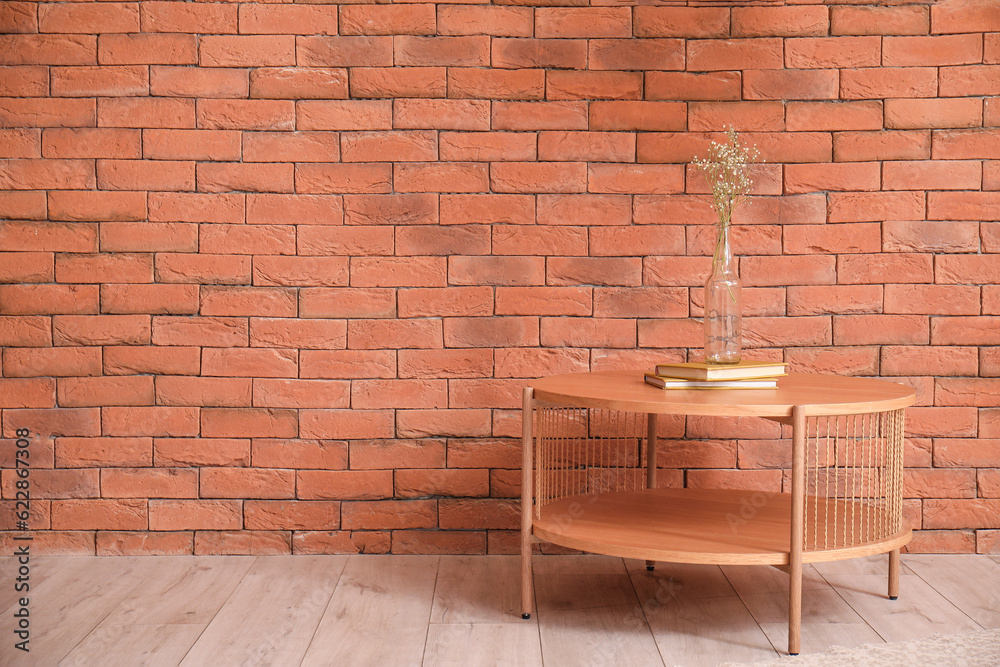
point(817, 394)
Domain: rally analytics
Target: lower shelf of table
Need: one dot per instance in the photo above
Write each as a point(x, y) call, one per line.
point(694, 526)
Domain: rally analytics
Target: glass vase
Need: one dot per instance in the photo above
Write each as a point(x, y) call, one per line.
point(723, 306)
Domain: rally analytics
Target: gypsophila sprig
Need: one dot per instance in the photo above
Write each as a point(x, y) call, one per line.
point(727, 170)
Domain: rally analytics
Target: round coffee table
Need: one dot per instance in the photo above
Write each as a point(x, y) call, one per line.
point(589, 476)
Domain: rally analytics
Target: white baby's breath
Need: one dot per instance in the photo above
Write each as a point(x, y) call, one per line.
point(727, 170)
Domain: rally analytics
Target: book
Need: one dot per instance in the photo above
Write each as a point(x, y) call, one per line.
point(675, 383)
point(743, 370)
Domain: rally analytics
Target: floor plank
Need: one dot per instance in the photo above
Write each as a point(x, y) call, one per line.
point(478, 589)
point(950, 577)
point(133, 645)
point(379, 613)
point(184, 589)
point(272, 614)
point(919, 612)
point(597, 636)
point(482, 645)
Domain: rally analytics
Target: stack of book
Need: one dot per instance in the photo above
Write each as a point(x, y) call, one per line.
point(699, 375)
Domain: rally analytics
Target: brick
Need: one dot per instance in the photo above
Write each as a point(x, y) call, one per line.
point(101, 329)
point(96, 205)
point(586, 146)
point(91, 143)
point(604, 332)
point(553, 301)
point(967, 16)
point(95, 81)
point(19, 17)
point(48, 50)
point(346, 424)
point(47, 299)
point(487, 147)
point(215, 82)
point(213, 18)
point(854, 176)
point(248, 423)
point(734, 54)
point(242, 542)
point(685, 86)
point(465, 514)
point(347, 302)
point(937, 113)
point(963, 206)
point(834, 299)
point(24, 81)
point(496, 84)
point(149, 483)
point(966, 144)
point(629, 54)
point(833, 52)
point(25, 331)
point(394, 334)
point(203, 391)
point(881, 330)
point(255, 362)
point(28, 267)
point(694, 22)
point(143, 543)
point(455, 363)
point(567, 115)
point(28, 393)
point(343, 178)
point(967, 269)
point(415, 19)
point(441, 114)
point(128, 360)
point(389, 514)
point(493, 332)
point(248, 240)
point(593, 270)
point(981, 392)
point(231, 482)
point(298, 454)
point(834, 116)
point(932, 299)
point(597, 209)
point(961, 513)
point(201, 452)
point(526, 362)
point(22, 205)
point(344, 51)
point(147, 49)
point(447, 301)
point(438, 177)
point(525, 177)
point(149, 421)
point(91, 268)
point(203, 269)
point(443, 423)
point(439, 542)
point(341, 542)
point(398, 82)
point(182, 514)
point(802, 270)
point(970, 80)
point(225, 114)
point(398, 272)
point(577, 85)
point(932, 50)
point(496, 271)
point(888, 82)
point(493, 20)
point(288, 19)
point(843, 360)
point(487, 209)
point(790, 84)
point(30, 112)
point(403, 145)
point(298, 83)
point(484, 393)
point(58, 421)
point(780, 21)
point(145, 175)
point(287, 393)
point(942, 541)
point(833, 239)
point(924, 175)
point(583, 22)
point(875, 206)
point(105, 391)
point(524, 53)
point(467, 51)
point(878, 20)
point(252, 177)
point(389, 454)
point(344, 484)
point(881, 145)
point(246, 50)
point(46, 174)
point(965, 330)
point(100, 514)
point(84, 18)
point(253, 301)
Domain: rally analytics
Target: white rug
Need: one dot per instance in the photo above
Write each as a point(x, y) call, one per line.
point(977, 649)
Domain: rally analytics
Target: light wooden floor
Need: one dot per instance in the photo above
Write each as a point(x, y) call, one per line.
point(462, 610)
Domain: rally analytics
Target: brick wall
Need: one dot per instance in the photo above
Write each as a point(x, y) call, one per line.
point(275, 274)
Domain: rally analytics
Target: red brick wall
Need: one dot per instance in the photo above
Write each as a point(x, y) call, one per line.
point(274, 274)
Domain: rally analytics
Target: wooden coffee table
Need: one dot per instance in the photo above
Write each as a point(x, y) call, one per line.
point(589, 476)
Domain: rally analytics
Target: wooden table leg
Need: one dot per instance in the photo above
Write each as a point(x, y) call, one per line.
point(527, 592)
point(797, 527)
point(650, 462)
point(894, 574)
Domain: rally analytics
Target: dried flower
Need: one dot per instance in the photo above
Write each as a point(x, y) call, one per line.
point(727, 170)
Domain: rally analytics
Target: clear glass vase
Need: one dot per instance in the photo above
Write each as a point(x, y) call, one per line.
point(723, 306)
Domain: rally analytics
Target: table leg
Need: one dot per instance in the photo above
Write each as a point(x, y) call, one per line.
point(527, 592)
point(650, 462)
point(894, 574)
point(797, 527)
